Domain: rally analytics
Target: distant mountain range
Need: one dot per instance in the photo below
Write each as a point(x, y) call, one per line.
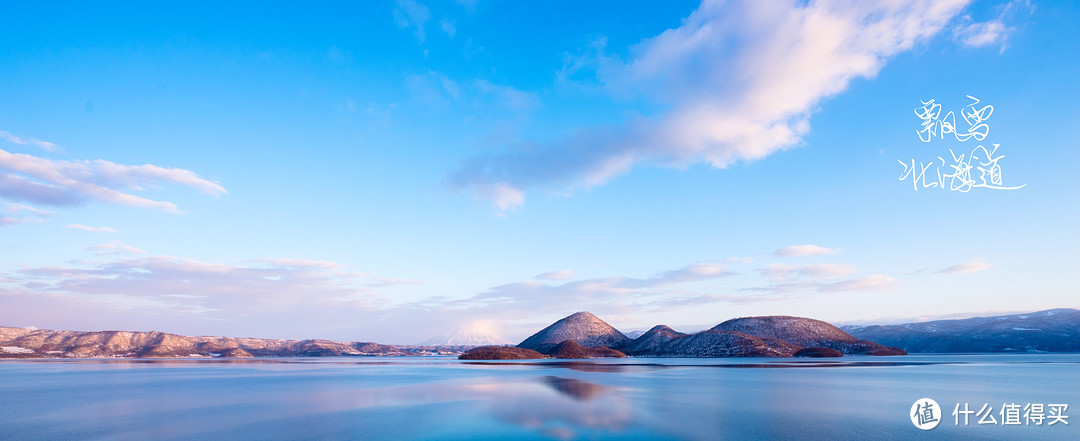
point(1052, 330)
point(41, 343)
point(583, 335)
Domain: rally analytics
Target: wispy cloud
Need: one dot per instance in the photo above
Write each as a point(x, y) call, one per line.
point(44, 145)
point(544, 293)
point(781, 272)
point(691, 273)
point(690, 287)
point(827, 270)
point(448, 26)
point(805, 250)
point(555, 275)
point(433, 89)
point(12, 214)
point(504, 196)
point(873, 282)
point(290, 263)
point(270, 294)
point(413, 15)
point(176, 287)
point(91, 229)
point(114, 247)
point(44, 181)
point(981, 34)
point(738, 81)
point(967, 267)
point(437, 90)
point(977, 34)
point(506, 96)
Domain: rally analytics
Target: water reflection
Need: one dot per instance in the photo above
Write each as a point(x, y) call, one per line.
point(576, 389)
point(613, 366)
point(346, 398)
point(553, 406)
point(577, 407)
point(604, 366)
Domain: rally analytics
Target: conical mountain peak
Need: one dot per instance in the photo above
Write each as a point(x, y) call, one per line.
point(582, 327)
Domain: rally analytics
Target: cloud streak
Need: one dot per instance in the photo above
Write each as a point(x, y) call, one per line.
point(91, 229)
point(114, 247)
point(188, 291)
point(411, 14)
point(781, 272)
point(265, 295)
point(13, 214)
point(967, 268)
point(44, 145)
point(805, 250)
point(873, 282)
point(44, 181)
point(555, 275)
point(552, 292)
point(990, 32)
point(738, 81)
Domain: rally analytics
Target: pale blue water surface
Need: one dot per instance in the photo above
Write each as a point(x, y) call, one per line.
point(850, 398)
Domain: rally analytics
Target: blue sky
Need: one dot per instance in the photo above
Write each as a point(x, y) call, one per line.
point(391, 171)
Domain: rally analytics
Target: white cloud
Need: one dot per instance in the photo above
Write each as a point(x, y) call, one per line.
point(967, 267)
point(504, 196)
point(691, 273)
point(805, 250)
point(739, 80)
point(555, 275)
point(91, 229)
point(279, 297)
point(995, 31)
point(866, 283)
point(283, 262)
point(508, 97)
point(13, 214)
point(163, 292)
point(827, 270)
point(114, 247)
point(60, 183)
point(873, 282)
point(447, 26)
point(47, 146)
point(780, 272)
point(413, 15)
point(543, 295)
point(433, 89)
point(981, 34)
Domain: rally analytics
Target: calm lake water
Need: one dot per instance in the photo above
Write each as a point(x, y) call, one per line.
point(851, 398)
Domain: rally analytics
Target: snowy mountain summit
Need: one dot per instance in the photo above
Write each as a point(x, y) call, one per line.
point(468, 337)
